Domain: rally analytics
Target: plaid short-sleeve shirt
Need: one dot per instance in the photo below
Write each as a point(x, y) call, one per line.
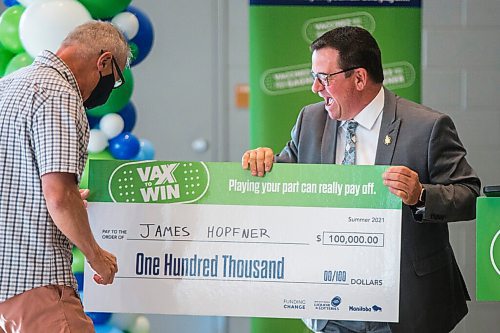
point(43, 129)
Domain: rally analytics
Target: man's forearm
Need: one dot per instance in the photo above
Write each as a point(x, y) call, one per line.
point(68, 211)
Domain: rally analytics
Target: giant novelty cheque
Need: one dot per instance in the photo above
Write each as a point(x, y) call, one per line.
point(305, 241)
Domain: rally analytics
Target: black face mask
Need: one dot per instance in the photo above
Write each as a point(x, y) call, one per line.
point(101, 92)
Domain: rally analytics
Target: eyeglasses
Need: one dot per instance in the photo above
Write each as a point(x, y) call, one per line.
point(324, 78)
point(121, 80)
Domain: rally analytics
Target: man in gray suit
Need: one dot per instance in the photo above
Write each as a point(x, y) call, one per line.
point(428, 172)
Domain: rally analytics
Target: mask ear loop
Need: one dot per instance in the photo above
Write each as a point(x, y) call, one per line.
point(119, 72)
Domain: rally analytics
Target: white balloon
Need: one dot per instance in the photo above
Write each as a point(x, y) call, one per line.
point(44, 24)
point(111, 125)
point(123, 320)
point(27, 3)
point(127, 23)
point(98, 141)
point(141, 325)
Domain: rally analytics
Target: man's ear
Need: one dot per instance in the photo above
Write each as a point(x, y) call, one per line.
point(360, 78)
point(104, 61)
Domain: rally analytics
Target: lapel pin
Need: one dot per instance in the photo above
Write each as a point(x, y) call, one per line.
point(387, 140)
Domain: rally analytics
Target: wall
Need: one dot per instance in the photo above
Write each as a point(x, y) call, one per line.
point(184, 89)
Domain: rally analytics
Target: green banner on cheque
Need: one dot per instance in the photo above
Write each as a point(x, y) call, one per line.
point(228, 184)
point(318, 241)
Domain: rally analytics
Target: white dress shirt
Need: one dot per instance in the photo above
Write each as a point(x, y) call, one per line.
point(367, 132)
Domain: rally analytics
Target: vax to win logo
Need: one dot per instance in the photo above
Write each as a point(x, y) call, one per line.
point(159, 182)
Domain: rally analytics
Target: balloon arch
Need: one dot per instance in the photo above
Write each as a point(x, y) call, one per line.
point(30, 26)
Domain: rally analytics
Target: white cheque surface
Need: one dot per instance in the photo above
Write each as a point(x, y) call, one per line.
point(260, 261)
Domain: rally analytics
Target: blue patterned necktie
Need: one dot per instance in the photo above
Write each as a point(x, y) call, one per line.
point(350, 143)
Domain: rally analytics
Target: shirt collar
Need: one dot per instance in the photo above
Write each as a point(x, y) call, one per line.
point(49, 59)
point(368, 116)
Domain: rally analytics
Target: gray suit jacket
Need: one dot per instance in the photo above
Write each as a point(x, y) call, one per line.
point(432, 289)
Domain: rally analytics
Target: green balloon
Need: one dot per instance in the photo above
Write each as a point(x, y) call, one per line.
point(100, 9)
point(5, 57)
point(9, 29)
point(102, 155)
point(18, 61)
point(118, 99)
point(78, 260)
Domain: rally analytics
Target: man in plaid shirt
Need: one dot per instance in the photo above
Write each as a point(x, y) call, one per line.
point(43, 141)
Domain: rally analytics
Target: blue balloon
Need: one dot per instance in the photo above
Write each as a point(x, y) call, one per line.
point(129, 117)
point(99, 318)
point(93, 121)
point(147, 151)
point(79, 280)
point(145, 35)
point(125, 146)
point(10, 3)
point(107, 329)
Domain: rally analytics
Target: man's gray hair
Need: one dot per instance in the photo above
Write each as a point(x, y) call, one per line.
point(94, 36)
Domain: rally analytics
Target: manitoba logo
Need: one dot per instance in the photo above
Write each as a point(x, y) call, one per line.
point(362, 308)
point(159, 182)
